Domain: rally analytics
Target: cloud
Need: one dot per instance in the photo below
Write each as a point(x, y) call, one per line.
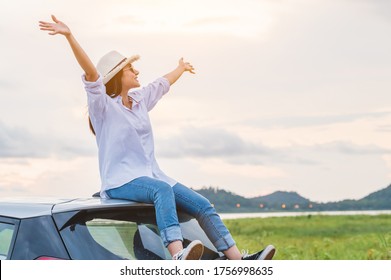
point(208, 142)
point(384, 128)
point(381, 8)
point(7, 85)
point(18, 142)
point(49, 176)
point(314, 120)
point(13, 190)
point(347, 148)
point(217, 143)
point(318, 155)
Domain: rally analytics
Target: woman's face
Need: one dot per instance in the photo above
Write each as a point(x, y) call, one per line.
point(129, 77)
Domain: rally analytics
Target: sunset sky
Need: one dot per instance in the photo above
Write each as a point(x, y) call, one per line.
point(291, 95)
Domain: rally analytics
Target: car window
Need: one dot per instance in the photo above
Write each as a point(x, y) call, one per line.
point(6, 233)
point(104, 232)
point(113, 234)
point(128, 240)
point(129, 233)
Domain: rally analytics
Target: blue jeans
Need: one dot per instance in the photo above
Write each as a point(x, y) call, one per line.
point(165, 199)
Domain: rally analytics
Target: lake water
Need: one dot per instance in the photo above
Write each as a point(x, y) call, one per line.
point(228, 216)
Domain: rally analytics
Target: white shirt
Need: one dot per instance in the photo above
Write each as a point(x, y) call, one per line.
point(124, 136)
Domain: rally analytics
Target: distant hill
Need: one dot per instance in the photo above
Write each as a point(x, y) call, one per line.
point(379, 200)
point(225, 201)
point(282, 200)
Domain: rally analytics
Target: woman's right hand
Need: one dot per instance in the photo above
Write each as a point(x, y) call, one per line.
point(58, 27)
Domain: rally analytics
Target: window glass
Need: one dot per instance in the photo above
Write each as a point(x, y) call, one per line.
point(124, 233)
point(114, 235)
point(6, 233)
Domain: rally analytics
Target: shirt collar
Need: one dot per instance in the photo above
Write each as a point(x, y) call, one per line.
point(136, 96)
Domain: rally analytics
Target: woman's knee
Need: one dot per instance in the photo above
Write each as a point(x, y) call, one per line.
point(164, 191)
point(192, 202)
point(205, 208)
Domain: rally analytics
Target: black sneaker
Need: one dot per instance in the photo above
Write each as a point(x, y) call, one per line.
point(265, 254)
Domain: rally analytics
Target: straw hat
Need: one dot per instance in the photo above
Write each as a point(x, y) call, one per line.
point(111, 63)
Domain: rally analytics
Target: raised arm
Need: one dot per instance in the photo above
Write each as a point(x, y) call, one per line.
point(174, 75)
point(58, 27)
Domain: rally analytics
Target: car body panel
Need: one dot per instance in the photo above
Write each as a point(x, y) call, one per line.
point(92, 203)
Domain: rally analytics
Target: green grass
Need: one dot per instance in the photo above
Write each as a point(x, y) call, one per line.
point(317, 237)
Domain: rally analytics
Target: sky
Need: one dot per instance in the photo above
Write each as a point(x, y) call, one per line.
point(290, 95)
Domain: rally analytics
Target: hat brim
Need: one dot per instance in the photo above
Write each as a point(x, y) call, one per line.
point(119, 67)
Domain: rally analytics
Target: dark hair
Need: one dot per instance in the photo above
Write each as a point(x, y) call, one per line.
point(113, 89)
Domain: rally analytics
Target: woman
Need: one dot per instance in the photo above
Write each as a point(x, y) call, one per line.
point(128, 168)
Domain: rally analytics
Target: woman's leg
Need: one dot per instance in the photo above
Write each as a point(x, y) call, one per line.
point(149, 190)
point(199, 207)
point(233, 253)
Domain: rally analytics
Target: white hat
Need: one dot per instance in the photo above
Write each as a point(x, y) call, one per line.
point(111, 63)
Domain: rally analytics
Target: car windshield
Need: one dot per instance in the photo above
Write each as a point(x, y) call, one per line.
point(125, 233)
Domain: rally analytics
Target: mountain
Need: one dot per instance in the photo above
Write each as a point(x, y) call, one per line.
point(379, 200)
point(225, 201)
point(382, 199)
point(280, 199)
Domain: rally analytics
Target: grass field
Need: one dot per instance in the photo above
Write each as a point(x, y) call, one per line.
point(317, 237)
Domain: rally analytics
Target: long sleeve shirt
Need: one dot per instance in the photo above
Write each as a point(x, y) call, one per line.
point(124, 136)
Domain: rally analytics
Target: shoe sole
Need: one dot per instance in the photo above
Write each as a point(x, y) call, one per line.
point(195, 251)
point(268, 253)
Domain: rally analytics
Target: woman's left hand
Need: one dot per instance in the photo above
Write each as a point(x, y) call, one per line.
point(174, 75)
point(186, 66)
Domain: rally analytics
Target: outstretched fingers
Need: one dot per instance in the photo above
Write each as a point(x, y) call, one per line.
point(55, 19)
point(55, 27)
point(188, 67)
point(46, 26)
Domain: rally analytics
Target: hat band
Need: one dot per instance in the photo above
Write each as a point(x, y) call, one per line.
point(116, 66)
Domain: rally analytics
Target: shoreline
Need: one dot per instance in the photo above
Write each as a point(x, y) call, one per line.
point(228, 216)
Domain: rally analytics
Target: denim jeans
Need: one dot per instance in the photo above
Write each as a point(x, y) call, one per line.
point(166, 199)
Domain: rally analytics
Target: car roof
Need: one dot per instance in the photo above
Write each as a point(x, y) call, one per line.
point(28, 207)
